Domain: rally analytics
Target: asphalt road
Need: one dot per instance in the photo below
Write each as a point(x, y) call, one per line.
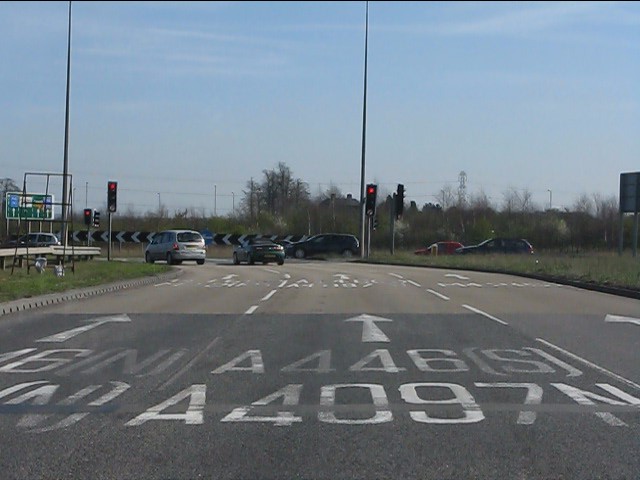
point(324, 370)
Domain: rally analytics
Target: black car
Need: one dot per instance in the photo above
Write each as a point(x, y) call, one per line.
point(325, 244)
point(258, 250)
point(499, 245)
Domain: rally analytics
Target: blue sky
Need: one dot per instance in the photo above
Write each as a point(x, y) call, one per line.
point(186, 99)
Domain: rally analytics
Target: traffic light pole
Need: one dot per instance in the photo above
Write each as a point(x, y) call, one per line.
point(109, 240)
point(392, 226)
point(369, 221)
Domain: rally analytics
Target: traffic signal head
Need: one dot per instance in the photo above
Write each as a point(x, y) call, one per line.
point(370, 199)
point(112, 196)
point(96, 219)
point(88, 216)
point(399, 200)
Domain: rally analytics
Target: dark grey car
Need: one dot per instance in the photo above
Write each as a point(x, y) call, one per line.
point(176, 246)
point(499, 245)
point(36, 239)
point(325, 244)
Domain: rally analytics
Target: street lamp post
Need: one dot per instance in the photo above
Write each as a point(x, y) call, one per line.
point(364, 130)
point(65, 168)
point(548, 190)
point(215, 200)
point(233, 200)
point(159, 204)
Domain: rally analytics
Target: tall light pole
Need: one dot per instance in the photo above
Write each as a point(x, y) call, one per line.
point(159, 204)
point(86, 194)
point(364, 134)
point(65, 168)
point(548, 190)
point(215, 200)
point(233, 200)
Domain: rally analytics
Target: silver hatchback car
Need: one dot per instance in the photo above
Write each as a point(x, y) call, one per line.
point(176, 246)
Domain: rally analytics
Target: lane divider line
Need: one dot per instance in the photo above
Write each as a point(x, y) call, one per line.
point(251, 309)
point(485, 314)
point(437, 294)
point(283, 283)
point(396, 275)
point(268, 295)
point(415, 284)
point(592, 365)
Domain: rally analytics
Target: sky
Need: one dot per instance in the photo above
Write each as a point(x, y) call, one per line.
point(182, 103)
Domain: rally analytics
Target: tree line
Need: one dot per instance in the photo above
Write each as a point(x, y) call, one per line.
point(281, 204)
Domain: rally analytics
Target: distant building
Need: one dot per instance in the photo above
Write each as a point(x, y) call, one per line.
point(340, 202)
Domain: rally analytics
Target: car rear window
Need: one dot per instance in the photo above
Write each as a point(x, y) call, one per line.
point(189, 237)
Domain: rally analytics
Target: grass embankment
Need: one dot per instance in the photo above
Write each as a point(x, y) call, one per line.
point(87, 273)
point(600, 268)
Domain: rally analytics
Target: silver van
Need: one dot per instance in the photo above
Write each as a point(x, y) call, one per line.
point(176, 246)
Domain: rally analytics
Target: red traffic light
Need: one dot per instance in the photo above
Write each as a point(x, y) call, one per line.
point(88, 216)
point(371, 190)
point(112, 186)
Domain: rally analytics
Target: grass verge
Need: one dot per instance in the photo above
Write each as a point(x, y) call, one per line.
point(606, 269)
point(88, 273)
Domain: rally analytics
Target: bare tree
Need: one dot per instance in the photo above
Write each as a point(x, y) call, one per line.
point(447, 197)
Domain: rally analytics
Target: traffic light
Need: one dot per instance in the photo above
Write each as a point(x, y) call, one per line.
point(88, 216)
point(112, 196)
point(375, 222)
point(370, 203)
point(96, 219)
point(399, 200)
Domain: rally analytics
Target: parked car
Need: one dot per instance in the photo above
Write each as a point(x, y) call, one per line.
point(258, 250)
point(325, 244)
point(36, 239)
point(176, 246)
point(440, 248)
point(499, 245)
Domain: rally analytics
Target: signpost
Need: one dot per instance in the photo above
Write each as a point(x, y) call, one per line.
point(30, 206)
point(629, 203)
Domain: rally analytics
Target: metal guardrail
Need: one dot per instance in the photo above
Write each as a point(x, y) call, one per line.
point(7, 254)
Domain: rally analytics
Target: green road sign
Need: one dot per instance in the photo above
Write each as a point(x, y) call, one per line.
point(31, 206)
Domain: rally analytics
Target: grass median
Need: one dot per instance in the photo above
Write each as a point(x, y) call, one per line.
point(602, 268)
point(21, 284)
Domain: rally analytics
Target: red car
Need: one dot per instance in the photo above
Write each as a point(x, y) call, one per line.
point(440, 248)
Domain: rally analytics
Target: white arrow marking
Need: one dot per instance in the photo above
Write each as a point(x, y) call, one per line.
point(370, 332)
point(120, 237)
point(105, 236)
point(620, 319)
point(455, 275)
point(134, 237)
point(96, 322)
point(226, 238)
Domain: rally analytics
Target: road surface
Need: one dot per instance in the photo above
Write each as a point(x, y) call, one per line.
point(324, 370)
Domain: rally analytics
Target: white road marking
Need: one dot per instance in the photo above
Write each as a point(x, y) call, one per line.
point(455, 275)
point(190, 364)
point(268, 295)
point(251, 309)
point(96, 322)
point(433, 292)
point(370, 332)
point(590, 364)
point(485, 314)
point(396, 275)
point(282, 283)
point(415, 284)
point(620, 319)
point(272, 271)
